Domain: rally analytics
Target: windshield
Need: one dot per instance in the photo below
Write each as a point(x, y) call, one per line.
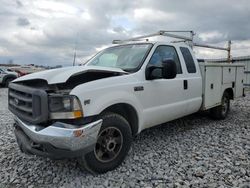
point(126, 57)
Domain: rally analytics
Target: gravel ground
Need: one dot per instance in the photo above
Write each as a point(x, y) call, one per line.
point(194, 151)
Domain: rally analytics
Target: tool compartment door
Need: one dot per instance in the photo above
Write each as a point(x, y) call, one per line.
point(239, 81)
point(213, 83)
point(229, 75)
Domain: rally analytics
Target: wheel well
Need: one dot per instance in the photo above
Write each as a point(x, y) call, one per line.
point(128, 112)
point(230, 93)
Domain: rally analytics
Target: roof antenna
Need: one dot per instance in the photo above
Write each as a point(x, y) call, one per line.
point(74, 58)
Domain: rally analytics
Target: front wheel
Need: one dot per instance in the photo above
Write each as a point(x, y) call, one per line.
point(221, 112)
point(113, 143)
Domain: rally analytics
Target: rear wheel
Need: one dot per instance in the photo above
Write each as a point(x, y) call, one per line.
point(113, 143)
point(221, 112)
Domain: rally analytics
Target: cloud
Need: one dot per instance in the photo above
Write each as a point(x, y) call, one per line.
point(151, 15)
point(19, 3)
point(23, 22)
point(119, 29)
point(47, 31)
point(212, 36)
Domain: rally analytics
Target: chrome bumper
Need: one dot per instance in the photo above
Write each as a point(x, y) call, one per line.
point(61, 135)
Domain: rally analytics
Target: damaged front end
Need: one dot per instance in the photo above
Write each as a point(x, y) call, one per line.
point(48, 120)
point(40, 125)
point(40, 100)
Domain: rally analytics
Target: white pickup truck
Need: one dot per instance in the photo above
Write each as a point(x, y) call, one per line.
point(92, 112)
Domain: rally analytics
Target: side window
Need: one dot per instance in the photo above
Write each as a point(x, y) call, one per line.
point(162, 53)
point(189, 61)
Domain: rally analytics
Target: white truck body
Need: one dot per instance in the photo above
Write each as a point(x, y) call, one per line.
point(152, 101)
point(152, 105)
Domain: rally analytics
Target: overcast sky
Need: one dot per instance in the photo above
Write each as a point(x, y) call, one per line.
point(45, 32)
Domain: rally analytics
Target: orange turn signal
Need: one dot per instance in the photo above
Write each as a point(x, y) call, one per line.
point(78, 133)
point(78, 114)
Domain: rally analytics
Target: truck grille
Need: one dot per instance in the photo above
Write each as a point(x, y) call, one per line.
point(28, 103)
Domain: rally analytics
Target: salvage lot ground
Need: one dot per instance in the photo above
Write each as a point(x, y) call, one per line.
point(194, 151)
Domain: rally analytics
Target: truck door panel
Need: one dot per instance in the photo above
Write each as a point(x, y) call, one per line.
point(193, 93)
point(163, 98)
point(163, 101)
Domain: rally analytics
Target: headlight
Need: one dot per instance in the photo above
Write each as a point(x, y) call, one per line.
point(64, 107)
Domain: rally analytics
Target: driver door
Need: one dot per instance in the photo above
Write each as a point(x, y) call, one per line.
point(163, 99)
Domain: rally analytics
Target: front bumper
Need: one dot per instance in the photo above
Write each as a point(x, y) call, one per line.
point(58, 140)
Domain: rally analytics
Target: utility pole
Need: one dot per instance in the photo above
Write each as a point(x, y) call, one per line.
point(229, 51)
point(74, 58)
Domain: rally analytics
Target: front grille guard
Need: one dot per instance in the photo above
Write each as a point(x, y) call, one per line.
point(29, 104)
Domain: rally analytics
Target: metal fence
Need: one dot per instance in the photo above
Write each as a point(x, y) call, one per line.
point(243, 59)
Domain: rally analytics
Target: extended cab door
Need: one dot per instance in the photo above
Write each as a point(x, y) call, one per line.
point(192, 82)
point(163, 99)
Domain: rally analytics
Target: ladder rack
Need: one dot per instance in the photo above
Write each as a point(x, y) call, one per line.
point(188, 39)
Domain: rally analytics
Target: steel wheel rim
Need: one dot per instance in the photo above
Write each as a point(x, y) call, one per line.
point(108, 145)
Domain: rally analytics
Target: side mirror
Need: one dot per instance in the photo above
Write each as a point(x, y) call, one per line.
point(169, 69)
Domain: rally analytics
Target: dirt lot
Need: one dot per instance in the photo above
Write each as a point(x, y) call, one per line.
point(194, 151)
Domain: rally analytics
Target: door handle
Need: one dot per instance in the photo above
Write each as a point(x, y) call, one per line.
point(185, 84)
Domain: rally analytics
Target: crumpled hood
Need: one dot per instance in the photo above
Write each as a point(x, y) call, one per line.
point(61, 75)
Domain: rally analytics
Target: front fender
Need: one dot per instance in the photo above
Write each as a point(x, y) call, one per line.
point(102, 102)
point(100, 94)
point(97, 100)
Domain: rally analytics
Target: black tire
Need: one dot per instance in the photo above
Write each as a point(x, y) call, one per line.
point(109, 151)
point(221, 112)
point(7, 81)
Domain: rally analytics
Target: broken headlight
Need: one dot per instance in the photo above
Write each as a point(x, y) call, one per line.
point(64, 107)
